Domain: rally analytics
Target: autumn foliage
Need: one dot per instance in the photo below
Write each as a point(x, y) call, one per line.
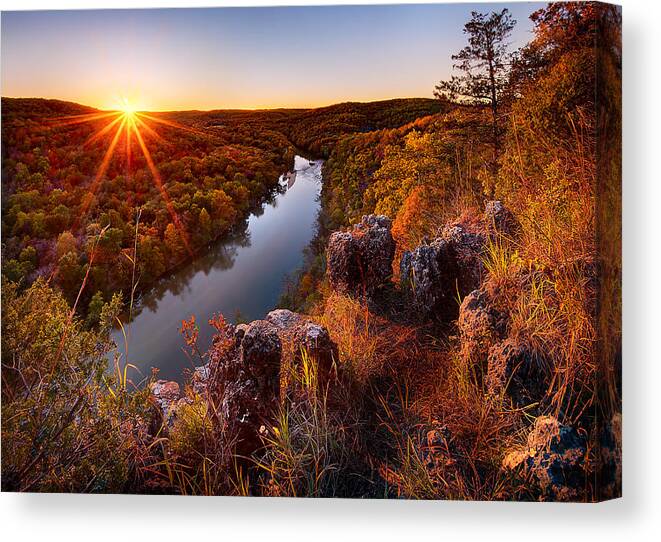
point(412, 412)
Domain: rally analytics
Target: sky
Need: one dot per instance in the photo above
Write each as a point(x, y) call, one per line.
point(249, 58)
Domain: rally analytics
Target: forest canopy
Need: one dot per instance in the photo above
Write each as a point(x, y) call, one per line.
point(214, 167)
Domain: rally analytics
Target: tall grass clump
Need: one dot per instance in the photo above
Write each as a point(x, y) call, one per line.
point(370, 345)
point(199, 445)
point(548, 177)
point(307, 450)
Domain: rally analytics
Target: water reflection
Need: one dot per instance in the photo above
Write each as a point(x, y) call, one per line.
point(240, 275)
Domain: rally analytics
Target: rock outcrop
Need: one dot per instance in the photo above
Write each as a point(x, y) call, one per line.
point(515, 370)
point(499, 218)
point(166, 394)
point(480, 325)
point(553, 459)
point(467, 243)
point(246, 363)
point(243, 376)
point(259, 356)
point(250, 381)
point(300, 334)
point(359, 262)
point(435, 273)
point(427, 273)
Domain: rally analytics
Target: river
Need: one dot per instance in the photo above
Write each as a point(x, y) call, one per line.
point(243, 275)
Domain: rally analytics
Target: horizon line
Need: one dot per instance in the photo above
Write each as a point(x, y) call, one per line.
point(278, 108)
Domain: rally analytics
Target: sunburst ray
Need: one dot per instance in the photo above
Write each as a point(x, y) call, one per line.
point(161, 187)
point(98, 135)
point(171, 124)
point(130, 124)
point(79, 119)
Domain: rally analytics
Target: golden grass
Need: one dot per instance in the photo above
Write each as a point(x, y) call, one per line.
point(368, 343)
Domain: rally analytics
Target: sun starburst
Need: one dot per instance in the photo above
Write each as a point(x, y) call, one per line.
point(128, 123)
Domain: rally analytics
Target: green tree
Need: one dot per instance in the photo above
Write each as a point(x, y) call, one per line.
point(173, 242)
point(150, 259)
point(421, 161)
point(13, 270)
point(28, 259)
point(66, 243)
point(70, 273)
point(94, 309)
point(205, 226)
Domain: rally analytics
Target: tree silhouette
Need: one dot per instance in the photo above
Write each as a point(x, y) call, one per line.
point(484, 63)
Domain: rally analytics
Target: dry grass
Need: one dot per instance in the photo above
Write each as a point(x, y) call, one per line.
point(369, 344)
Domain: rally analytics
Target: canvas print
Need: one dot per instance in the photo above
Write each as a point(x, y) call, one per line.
point(333, 251)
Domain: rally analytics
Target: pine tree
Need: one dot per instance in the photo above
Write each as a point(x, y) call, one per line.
point(484, 63)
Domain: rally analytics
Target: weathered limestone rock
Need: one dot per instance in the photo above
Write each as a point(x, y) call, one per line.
point(243, 374)
point(478, 325)
point(342, 260)
point(284, 319)
point(166, 394)
point(360, 262)
point(298, 334)
point(435, 273)
point(244, 369)
point(468, 247)
point(499, 218)
point(260, 353)
point(515, 370)
point(428, 273)
point(554, 459)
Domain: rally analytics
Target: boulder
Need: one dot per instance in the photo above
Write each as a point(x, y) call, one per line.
point(478, 325)
point(342, 262)
point(166, 394)
point(512, 368)
point(243, 415)
point(260, 353)
point(468, 247)
point(244, 374)
point(499, 218)
point(553, 458)
point(298, 333)
point(284, 319)
point(359, 262)
point(435, 273)
point(427, 273)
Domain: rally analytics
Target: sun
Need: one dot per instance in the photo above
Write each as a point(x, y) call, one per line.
point(127, 108)
point(128, 123)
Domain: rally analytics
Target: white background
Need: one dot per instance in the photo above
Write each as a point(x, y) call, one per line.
point(634, 517)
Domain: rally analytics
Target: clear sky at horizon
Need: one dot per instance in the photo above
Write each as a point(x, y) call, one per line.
point(211, 58)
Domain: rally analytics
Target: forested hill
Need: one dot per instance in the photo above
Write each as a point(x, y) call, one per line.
point(60, 192)
point(318, 130)
point(457, 332)
point(314, 130)
point(40, 108)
